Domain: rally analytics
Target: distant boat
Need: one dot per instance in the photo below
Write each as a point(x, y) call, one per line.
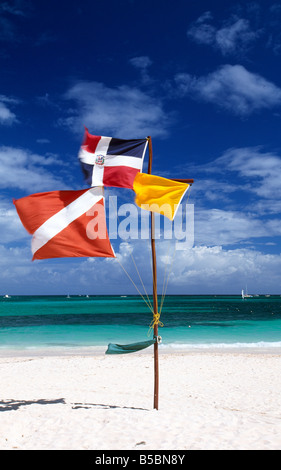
point(245, 296)
point(6, 296)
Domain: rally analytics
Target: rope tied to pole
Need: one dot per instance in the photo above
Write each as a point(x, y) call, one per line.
point(155, 321)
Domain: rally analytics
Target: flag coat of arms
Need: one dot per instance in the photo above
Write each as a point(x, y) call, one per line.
point(66, 223)
point(107, 161)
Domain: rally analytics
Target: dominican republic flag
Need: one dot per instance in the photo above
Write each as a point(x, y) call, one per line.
point(66, 224)
point(107, 161)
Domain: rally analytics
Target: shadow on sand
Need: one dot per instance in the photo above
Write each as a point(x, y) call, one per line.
point(9, 405)
point(75, 406)
point(12, 405)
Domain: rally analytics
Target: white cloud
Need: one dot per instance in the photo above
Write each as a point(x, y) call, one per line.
point(198, 270)
point(208, 267)
point(201, 31)
point(216, 270)
point(229, 227)
point(18, 275)
point(213, 189)
point(7, 117)
point(236, 36)
point(268, 206)
point(142, 63)
point(233, 88)
point(233, 37)
point(243, 181)
point(260, 170)
point(24, 170)
point(11, 228)
point(122, 111)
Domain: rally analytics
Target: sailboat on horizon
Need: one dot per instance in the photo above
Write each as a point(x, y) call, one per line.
point(245, 295)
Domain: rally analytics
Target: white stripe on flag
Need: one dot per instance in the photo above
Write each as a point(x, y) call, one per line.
point(97, 175)
point(110, 160)
point(64, 217)
point(87, 157)
point(121, 160)
point(90, 157)
point(103, 145)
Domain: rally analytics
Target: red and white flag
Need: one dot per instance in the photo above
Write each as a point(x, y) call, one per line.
point(107, 161)
point(66, 224)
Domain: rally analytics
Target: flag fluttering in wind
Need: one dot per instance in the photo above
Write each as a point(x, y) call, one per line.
point(66, 223)
point(107, 161)
point(158, 194)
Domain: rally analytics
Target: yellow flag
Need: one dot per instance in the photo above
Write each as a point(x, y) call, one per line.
point(157, 194)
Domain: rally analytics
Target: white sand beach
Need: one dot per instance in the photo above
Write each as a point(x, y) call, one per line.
point(208, 400)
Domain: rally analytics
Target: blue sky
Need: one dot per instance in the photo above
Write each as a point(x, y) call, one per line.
point(202, 78)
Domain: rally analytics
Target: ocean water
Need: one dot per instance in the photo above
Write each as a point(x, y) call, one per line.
point(59, 322)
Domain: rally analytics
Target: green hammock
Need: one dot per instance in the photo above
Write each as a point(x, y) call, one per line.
point(128, 348)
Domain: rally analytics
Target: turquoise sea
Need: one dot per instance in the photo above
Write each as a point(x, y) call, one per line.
point(34, 322)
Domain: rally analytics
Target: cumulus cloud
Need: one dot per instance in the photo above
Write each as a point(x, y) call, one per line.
point(242, 180)
point(141, 62)
point(233, 37)
point(221, 270)
point(7, 117)
point(259, 170)
point(231, 227)
point(18, 275)
point(123, 111)
point(201, 31)
point(217, 269)
point(22, 169)
point(11, 228)
point(236, 36)
point(233, 88)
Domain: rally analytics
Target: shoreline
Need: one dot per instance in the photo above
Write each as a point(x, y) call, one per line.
point(97, 351)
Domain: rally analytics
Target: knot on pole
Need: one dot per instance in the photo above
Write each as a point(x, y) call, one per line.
point(155, 321)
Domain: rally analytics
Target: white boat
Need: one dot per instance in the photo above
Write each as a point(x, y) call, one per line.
point(245, 296)
point(6, 296)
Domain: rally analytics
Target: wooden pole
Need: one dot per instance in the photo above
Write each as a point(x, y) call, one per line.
point(154, 272)
point(155, 300)
point(155, 308)
point(189, 181)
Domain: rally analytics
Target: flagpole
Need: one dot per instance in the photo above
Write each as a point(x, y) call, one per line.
point(155, 300)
